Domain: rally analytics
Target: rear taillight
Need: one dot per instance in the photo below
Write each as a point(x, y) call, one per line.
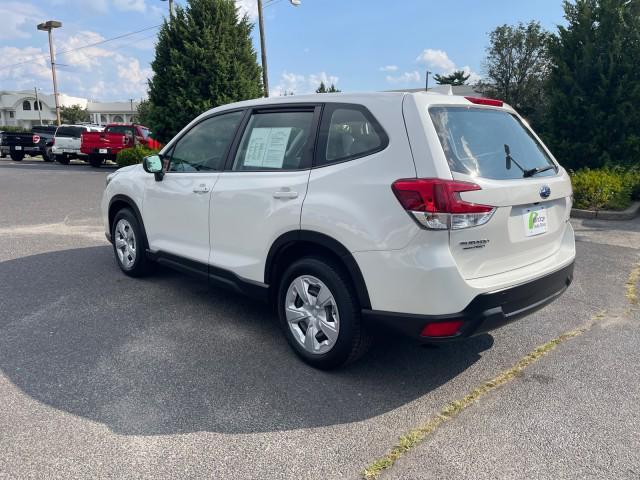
point(35, 139)
point(436, 204)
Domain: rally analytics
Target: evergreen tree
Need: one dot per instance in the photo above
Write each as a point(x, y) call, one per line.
point(456, 78)
point(204, 58)
point(594, 85)
point(323, 88)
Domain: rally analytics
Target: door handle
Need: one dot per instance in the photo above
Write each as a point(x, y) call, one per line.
point(202, 188)
point(285, 193)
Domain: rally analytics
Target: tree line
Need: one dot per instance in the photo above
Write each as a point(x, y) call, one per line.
point(578, 86)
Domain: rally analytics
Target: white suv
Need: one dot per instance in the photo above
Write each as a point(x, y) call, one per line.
point(437, 215)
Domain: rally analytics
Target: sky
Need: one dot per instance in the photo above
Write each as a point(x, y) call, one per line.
point(359, 45)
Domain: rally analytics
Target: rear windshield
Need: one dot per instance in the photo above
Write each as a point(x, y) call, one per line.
point(126, 129)
point(74, 132)
point(474, 139)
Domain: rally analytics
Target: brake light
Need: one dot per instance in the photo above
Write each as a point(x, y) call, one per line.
point(36, 139)
point(436, 204)
point(441, 329)
point(485, 101)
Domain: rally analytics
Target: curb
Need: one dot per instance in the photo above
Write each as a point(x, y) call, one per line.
point(627, 214)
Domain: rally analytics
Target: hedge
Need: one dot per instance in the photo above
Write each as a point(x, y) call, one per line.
point(606, 188)
point(134, 155)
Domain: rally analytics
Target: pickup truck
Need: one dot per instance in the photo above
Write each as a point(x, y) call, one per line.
point(38, 142)
point(102, 146)
point(67, 141)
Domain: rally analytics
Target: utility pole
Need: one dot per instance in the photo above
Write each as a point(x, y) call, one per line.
point(170, 8)
point(48, 26)
point(263, 49)
point(426, 87)
point(35, 89)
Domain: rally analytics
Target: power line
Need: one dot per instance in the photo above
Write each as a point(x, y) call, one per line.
point(272, 2)
point(2, 67)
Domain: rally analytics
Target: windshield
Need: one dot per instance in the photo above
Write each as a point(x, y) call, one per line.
point(474, 139)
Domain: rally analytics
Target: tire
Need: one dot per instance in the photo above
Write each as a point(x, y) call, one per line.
point(332, 343)
point(63, 159)
point(48, 155)
point(129, 244)
point(17, 156)
point(95, 161)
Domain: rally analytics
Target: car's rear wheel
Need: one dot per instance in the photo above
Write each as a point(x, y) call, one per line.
point(17, 156)
point(95, 161)
point(63, 159)
point(48, 155)
point(129, 244)
point(320, 314)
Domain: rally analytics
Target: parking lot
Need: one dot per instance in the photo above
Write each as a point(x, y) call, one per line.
point(106, 376)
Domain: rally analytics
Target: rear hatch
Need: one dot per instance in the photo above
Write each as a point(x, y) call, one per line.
point(68, 137)
point(492, 148)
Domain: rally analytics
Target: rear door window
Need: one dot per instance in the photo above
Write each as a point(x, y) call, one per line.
point(348, 132)
point(474, 139)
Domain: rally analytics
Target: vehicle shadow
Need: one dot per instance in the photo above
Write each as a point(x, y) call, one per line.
point(168, 354)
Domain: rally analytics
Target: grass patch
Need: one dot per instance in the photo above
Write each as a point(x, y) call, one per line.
point(632, 285)
point(409, 440)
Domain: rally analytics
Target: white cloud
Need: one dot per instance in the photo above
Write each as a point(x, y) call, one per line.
point(437, 59)
point(405, 78)
point(389, 68)
point(86, 58)
point(19, 19)
point(96, 6)
point(130, 5)
point(301, 84)
point(135, 78)
point(248, 7)
point(35, 70)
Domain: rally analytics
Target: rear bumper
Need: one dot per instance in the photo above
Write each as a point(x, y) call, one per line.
point(486, 312)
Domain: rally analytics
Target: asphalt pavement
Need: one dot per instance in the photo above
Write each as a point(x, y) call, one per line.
point(105, 376)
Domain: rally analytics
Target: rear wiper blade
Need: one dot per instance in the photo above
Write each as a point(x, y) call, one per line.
point(534, 171)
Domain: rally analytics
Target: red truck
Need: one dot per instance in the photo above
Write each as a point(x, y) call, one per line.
point(105, 145)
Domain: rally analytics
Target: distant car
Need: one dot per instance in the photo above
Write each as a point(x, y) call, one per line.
point(37, 142)
point(67, 141)
point(105, 145)
point(4, 151)
point(437, 215)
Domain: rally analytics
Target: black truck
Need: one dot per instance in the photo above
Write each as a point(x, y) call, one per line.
point(38, 142)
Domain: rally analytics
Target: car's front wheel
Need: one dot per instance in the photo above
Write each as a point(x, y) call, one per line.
point(320, 313)
point(129, 244)
point(16, 156)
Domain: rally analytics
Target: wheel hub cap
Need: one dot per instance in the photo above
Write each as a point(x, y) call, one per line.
point(312, 314)
point(125, 242)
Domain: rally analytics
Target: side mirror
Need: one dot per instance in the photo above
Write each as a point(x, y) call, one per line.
point(153, 164)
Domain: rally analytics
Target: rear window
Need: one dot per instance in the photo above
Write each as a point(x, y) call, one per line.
point(127, 130)
point(73, 132)
point(474, 139)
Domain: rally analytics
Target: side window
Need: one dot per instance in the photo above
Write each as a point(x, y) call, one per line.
point(348, 131)
point(275, 141)
point(204, 147)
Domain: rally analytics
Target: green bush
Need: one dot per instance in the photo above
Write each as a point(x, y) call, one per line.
point(631, 178)
point(601, 189)
point(14, 128)
point(133, 156)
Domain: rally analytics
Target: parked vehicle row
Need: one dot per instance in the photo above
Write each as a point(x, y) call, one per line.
point(94, 144)
point(440, 216)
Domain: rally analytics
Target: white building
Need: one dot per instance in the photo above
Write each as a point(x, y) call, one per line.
point(20, 109)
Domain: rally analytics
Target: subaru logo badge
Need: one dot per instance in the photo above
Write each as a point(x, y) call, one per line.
point(545, 191)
